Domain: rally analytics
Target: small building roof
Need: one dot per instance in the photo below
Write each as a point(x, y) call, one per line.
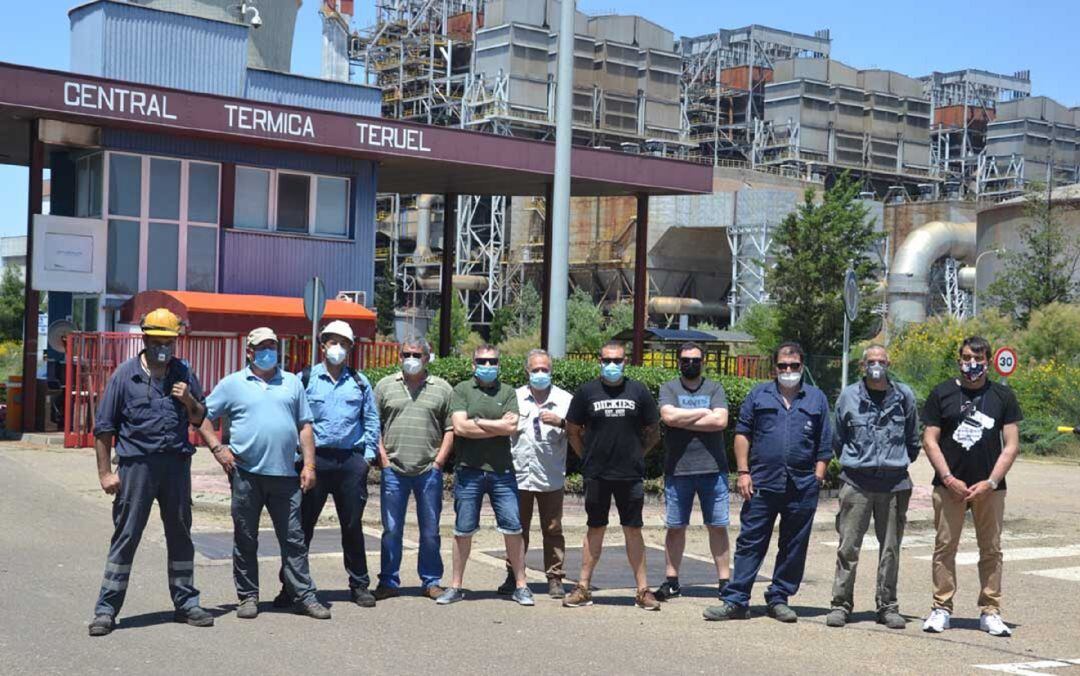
point(670, 335)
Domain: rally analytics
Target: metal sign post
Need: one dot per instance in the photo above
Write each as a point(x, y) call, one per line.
point(851, 311)
point(314, 307)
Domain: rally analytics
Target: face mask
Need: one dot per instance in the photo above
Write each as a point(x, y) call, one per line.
point(540, 380)
point(265, 358)
point(486, 373)
point(611, 372)
point(411, 366)
point(690, 371)
point(159, 354)
point(875, 371)
point(972, 371)
point(335, 354)
point(789, 378)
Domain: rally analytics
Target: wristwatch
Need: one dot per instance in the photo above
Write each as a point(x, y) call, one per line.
point(993, 484)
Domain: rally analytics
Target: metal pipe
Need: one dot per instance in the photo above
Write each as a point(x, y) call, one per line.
point(641, 280)
point(975, 280)
point(459, 282)
point(674, 305)
point(423, 226)
point(446, 293)
point(560, 232)
point(545, 302)
point(909, 276)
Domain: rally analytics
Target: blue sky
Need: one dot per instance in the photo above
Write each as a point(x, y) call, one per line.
point(911, 37)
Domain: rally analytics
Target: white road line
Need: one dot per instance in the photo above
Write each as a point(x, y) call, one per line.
point(1019, 554)
point(1070, 574)
point(1027, 667)
point(927, 540)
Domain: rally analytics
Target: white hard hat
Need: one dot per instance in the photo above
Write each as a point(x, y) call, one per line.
point(338, 328)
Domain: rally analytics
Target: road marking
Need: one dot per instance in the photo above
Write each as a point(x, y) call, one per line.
point(1019, 554)
point(1028, 667)
point(870, 542)
point(1070, 574)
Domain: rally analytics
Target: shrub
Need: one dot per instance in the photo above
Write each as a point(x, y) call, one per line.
point(1053, 332)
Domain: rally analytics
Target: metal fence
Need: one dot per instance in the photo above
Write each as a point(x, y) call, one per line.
point(92, 358)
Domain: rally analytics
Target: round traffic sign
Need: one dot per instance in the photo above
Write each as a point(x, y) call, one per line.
point(851, 295)
point(1005, 361)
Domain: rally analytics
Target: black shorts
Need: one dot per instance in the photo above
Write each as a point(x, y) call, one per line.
point(629, 500)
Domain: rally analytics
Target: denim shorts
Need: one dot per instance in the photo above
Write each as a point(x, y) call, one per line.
point(470, 485)
point(712, 492)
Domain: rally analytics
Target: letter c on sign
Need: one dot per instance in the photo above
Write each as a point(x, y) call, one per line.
point(70, 100)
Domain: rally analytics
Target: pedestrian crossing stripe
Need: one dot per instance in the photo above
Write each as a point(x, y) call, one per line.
point(1028, 668)
point(1018, 554)
point(1069, 574)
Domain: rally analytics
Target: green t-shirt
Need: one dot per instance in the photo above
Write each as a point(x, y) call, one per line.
point(490, 403)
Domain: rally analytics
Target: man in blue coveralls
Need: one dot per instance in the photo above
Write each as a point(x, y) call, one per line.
point(269, 417)
point(147, 407)
point(346, 442)
point(783, 443)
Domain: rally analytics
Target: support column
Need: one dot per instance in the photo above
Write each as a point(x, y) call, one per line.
point(558, 287)
point(446, 287)
point(35, 184)
point(545, 303)
point(641, 281)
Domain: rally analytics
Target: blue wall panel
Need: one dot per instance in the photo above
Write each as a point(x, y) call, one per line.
point(138, 44)
point(305, 92)
point(280, 265)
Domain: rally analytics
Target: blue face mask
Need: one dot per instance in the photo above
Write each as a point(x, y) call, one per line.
point(540, 380)
point(612, 373)
point(486, 373)
point(265, 358)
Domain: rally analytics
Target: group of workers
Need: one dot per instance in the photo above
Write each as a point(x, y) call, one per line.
point(297, 439)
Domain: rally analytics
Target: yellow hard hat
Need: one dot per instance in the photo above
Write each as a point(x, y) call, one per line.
point(161, 322)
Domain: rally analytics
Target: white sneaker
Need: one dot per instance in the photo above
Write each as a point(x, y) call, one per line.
point(992, 624)
point(937, 622)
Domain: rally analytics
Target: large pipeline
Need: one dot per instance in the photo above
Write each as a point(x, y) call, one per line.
point(423, 226)
point(674, 305)
point(909, 277)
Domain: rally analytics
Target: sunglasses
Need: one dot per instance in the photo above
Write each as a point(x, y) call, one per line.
point(689, 360)
point(487, 361)
point(540, 369)
point(788, 366)
point(412, 355)
point(612, 360)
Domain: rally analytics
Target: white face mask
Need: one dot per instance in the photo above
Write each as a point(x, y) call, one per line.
point(789, 378)
point(335, 354)
point(875, 371)
point(411, 366)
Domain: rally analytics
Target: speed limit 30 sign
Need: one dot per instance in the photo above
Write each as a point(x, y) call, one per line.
point(1005, 361)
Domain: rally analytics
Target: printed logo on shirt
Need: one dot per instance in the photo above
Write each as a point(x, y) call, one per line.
point(695, 401)
point(971, 428)
point(614, 408)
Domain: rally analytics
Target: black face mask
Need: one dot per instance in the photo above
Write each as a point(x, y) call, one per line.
point(159, 354)
point(690, 371)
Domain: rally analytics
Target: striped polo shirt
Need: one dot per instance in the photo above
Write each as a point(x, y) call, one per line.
point(413, 426)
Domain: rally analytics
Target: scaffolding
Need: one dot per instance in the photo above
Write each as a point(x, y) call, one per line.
point(963, 103)
point(751, 258)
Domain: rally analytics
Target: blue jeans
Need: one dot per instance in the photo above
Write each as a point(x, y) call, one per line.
point(796, 508)
point(712, 493)
point(469, 489)
point(394, 493)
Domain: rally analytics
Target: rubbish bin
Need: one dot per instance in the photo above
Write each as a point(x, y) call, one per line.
point(14, 404)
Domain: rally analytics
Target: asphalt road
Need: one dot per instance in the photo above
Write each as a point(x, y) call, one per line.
point(55, 527)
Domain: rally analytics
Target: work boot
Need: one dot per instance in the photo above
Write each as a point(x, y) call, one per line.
point(195, 616)
point(580, 596)
point(363, 598)
point(509, 584)
point(102, 625)
point(726, 611)
point(892, 619)
point(555, 588)
point(669, 590)
point(248, 608)
point(646, 600)
point(383, 592)
point(783, 613)
point(433, 592)
point(837, 617)
point(313, 609)
point(283, 600)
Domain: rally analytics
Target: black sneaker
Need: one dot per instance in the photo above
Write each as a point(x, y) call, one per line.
point(102, 625)
point(363, 598)
point(283, 599)
point(509, 585)
point(726, 611)
point(195, 616)
point(668, 591)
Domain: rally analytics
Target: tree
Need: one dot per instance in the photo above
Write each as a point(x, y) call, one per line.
point(384, 305)
point(762, 321)
point(459, 325)
point(522, 317)
point(813, 247)
point(584, 323)
point(12, 306)
point(1041, 271)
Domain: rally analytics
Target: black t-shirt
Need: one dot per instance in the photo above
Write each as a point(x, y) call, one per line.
point(614, 418)
point(971, 423)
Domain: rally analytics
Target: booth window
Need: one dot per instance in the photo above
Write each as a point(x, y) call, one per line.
point(88, 175)
point(291, 202)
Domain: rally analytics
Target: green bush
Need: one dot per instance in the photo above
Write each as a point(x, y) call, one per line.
point(1053, 332)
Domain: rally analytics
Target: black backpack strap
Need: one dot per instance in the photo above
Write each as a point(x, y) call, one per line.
point(305, 377)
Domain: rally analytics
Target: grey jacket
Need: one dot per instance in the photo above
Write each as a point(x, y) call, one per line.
point(872, 437)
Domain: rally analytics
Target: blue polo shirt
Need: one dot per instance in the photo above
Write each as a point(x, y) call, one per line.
point(344, 412)
point(785, 443)
point(265, 417)
point(142, 413)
